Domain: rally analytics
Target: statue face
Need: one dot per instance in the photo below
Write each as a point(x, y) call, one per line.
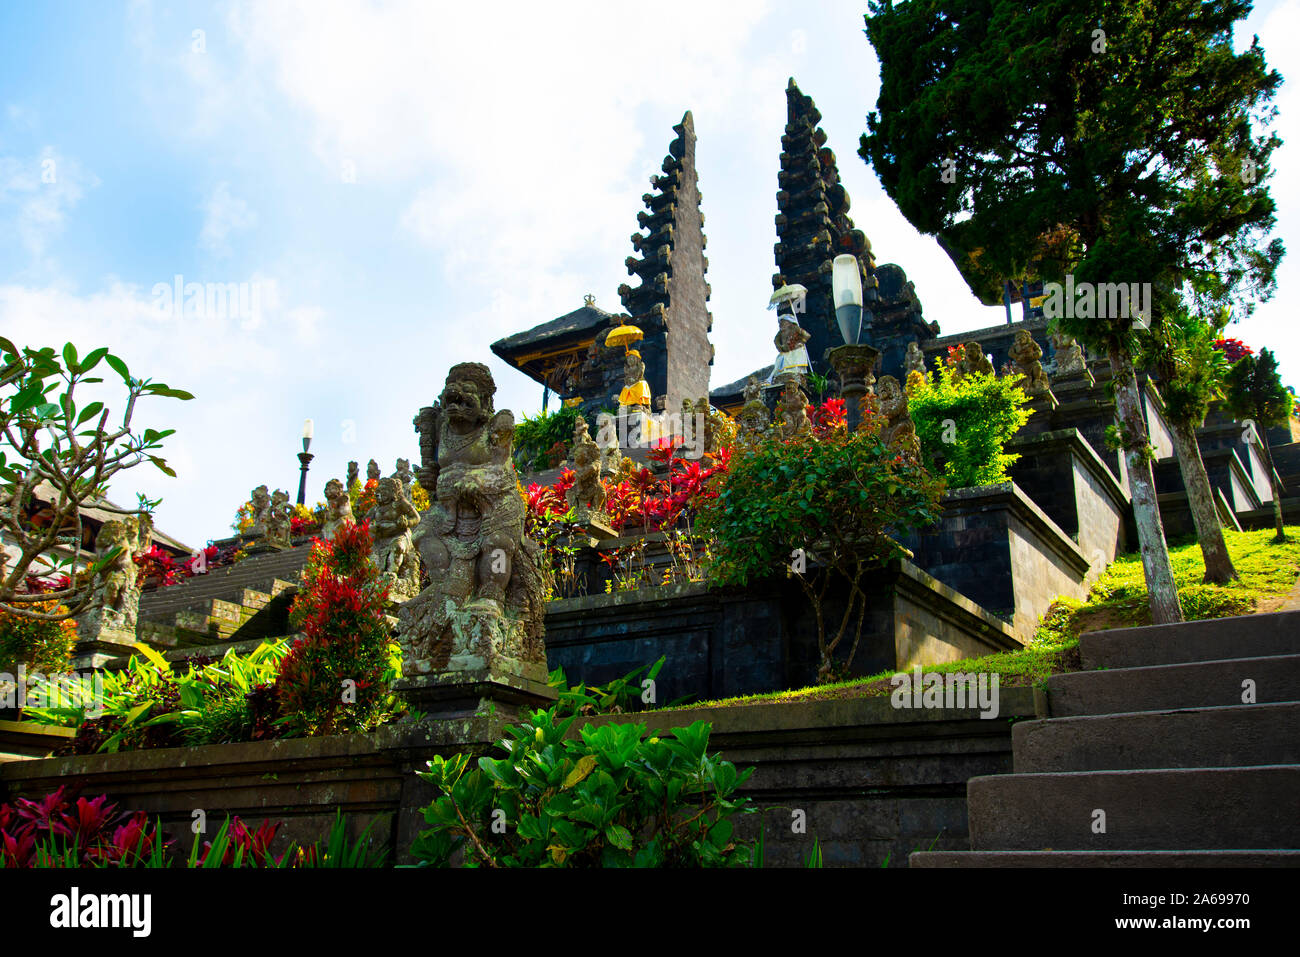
point(461, 402)
point(384, 493)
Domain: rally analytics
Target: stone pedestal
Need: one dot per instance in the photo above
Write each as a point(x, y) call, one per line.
point(457, 694)
point(853, 364)
point(92, 650)
point(1043, 404)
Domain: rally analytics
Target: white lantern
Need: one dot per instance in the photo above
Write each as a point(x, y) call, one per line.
point(846, 287)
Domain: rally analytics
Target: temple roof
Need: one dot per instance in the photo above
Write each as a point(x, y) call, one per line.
point(732, 394)
point(573, 327)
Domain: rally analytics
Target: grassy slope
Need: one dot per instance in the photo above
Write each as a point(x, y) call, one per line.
point(1118, 600)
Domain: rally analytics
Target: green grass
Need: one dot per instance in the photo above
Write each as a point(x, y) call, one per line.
point(1118, 600)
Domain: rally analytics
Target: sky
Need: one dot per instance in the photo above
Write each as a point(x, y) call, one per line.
point(370, 192)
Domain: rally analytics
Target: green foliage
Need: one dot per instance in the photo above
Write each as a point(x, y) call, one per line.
point(608, 797)
point(966, 424)
point(40, 644)
point(536, 435)
point(71, 451)
point(815, 509)
point(1254, 391)
point(152, 703)
point(620, 696)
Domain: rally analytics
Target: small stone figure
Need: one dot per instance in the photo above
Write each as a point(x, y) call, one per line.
point(261, 500)
point(1026, 354)
point(899, 432)
point(354, 474)
point(915, 359)
point(405, 476)
point(277, 521)
point(611, 454)
point(754, 418)
point(391, 521)
point(792, 353)
point(427, 422)
point(372, 471)
point(587, 496)
point(339, 510)
point(1071, 363)
point(793, 410)
point(973, 360)
point(114, 610)
point(484, 606)
point(636, 391)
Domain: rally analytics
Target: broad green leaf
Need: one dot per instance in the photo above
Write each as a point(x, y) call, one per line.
point(119, 367)
point(584, 767)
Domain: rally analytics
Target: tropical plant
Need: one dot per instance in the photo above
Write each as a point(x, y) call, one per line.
point(43, 645)
point(608, 797)
point(536, 437)
point(817, 510)
point(67, 454)
point(333, 679)
point(1256, 394)
point(1135, 150)
point(965, 423)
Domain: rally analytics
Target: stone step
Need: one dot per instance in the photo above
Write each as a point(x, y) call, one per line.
point(1238, 858)
point(1183, 809)
point(1198, 684)
point(1240, 735)
point(238, 592)
point(1216, 639)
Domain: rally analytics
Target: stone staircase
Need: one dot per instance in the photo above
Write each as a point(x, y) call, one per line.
point(242, 602)
point(1153, 741)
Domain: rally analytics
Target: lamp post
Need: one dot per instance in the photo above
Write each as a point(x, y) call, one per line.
point(305, 458)
point(852, 361)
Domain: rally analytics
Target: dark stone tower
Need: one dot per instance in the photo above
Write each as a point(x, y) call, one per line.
point(670, 303)
point(813, 227)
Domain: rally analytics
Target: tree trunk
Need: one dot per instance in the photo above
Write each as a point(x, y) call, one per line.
point(1159, 574)
point(1274, 486)
point(1200, 499)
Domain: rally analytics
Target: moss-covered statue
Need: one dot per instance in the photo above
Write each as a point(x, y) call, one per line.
point(484, 605)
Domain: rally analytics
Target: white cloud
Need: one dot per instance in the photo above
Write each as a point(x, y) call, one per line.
point(36, 194)
point(224, 214)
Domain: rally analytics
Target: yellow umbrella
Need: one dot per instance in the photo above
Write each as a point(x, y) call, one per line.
point(623, 336)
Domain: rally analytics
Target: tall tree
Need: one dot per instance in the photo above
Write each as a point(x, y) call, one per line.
point(1255, 393)
point(1108, 141)
point(1181, 353)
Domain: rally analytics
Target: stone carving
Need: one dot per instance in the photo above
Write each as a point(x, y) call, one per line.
point(899, 432)
point(354, 473)
point(1071, 363)
point(715, 424)
point(793, 410)
point(973, 360)
point(754, 418)
point(405, 476)
point(261, 499)
point(391, 521)
point(587, 495)
point(427, 422)
point(792, 352)
point(611, 453)
point(1026, 354)
point(277, 521)
point(339, 511)
point(636, 391)
point(914, 361)
point(484, 605)
point(112, 615)
point(372, 471)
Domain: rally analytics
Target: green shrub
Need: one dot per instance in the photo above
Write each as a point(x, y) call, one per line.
point(966, 424)
point(43, 646)
point(609, 797)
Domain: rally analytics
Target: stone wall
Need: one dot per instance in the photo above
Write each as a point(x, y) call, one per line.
point(874, 783)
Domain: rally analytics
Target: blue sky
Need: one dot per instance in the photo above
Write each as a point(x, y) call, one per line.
point(401, 184)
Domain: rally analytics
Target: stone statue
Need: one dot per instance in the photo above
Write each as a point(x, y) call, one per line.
point(715, 425)
point(339, 510)
point(354, 473)
point(1071, 363)
point(261, 499)
point(372, 471)
point(277, 521)
point(485, 602)
point(611, 453)
point(636, 391)
point(587, 496)
point(973, 360)
point(914, 360)
point(792, 352)
point(405, 476)
point(899, 432)
point(115, 607)
point(754, 418)
point(1026, 354)
point(793, 410)
point(427, 423)
point(391, 521)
